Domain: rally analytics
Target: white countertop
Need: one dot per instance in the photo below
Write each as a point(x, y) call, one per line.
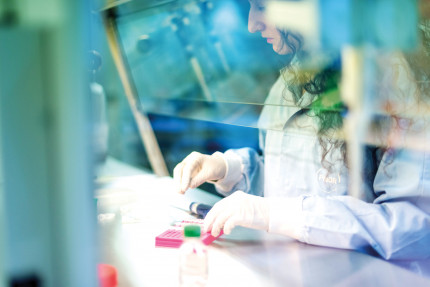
point(135, 207)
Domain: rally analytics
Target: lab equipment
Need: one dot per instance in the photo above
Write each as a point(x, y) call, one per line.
point(174, 237)
point(107, 275)
point(200, 209)
point(169, 238)
point(98, 105)
point(193, 261)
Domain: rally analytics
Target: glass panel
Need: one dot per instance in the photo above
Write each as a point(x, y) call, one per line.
point(258, 63)
point(198, 60)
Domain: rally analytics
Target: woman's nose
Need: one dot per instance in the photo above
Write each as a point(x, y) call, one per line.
point(255, 22)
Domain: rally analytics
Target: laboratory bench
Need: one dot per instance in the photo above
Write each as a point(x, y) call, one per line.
point(134, 206)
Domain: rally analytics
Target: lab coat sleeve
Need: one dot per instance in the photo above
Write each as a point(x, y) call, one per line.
point(244, 172)
point(396, 225)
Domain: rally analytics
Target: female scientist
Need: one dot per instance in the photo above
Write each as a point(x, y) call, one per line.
point(299, 188)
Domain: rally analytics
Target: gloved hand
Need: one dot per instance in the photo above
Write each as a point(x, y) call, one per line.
point(198, 168)
point(238, 209)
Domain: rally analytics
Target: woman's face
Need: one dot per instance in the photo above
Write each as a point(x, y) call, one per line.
point(257, 23)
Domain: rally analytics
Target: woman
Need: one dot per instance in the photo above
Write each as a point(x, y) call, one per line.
point(299, 188)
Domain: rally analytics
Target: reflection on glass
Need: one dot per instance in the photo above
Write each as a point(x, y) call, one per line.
point(183, 53)
point(200, 50)
point(197, 60)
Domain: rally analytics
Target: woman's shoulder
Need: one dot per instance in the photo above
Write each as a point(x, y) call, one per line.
point(278, 107)
point(278, 94)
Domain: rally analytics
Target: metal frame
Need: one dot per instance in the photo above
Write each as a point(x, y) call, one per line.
point(146, 132)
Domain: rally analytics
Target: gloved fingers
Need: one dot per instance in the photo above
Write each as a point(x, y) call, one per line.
point(192, 157)
point(231, 223)
point(217, 225)
point(199, 178)
point(231, 213)
point(211, 216)
point(223, 206)
point(178, 172)
point(210, 169)
point(218, 222)
point(177, 176)
point(191, 167)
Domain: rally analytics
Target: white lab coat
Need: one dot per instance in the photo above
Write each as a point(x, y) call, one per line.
point(312, 204)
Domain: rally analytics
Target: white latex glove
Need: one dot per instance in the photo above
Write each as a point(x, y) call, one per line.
point(198, 168)
point(238, 209)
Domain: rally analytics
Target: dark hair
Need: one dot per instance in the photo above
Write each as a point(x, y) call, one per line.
point(325, 101)
point(323, 84)
point(419, 59)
